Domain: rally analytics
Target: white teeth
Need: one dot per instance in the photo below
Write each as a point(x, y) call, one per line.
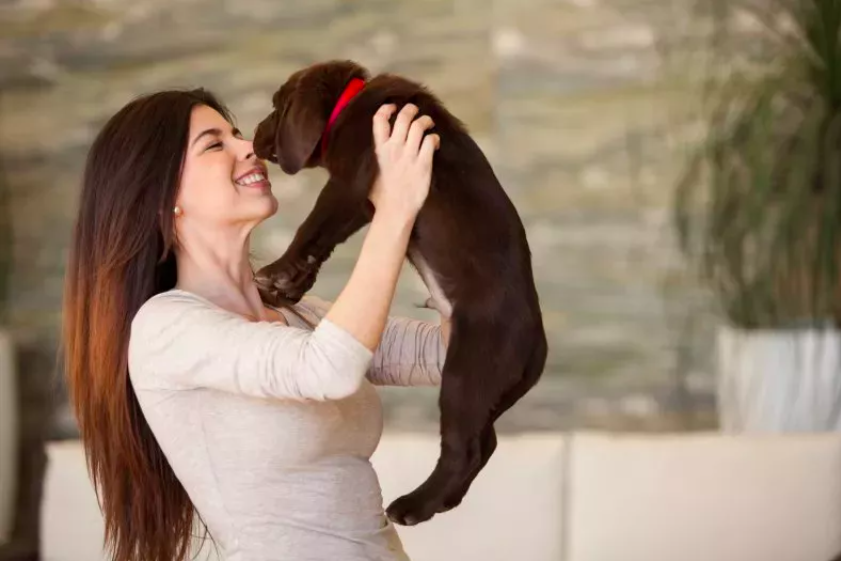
point(250, 179)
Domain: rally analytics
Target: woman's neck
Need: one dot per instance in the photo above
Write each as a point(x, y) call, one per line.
point(223, 275)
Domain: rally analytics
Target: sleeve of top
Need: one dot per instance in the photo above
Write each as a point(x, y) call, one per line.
point(179, 342)
point(411, 352)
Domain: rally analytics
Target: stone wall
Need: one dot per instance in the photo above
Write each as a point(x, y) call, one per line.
point(582, 106)
point(576, 102)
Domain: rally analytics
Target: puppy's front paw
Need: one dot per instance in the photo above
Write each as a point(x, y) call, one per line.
point(289, 277)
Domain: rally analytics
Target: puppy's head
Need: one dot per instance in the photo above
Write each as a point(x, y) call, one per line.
point(290, 135)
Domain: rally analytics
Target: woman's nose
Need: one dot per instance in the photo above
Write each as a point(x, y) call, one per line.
point(246, 149)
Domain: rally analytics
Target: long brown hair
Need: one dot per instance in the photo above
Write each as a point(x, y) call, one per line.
point(121, 255)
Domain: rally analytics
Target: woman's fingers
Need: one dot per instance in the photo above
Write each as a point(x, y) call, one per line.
point(407, 130)
point(404, 119)
point(404, 157)
point(416, 132)
point(428, 148)
point(382, 128)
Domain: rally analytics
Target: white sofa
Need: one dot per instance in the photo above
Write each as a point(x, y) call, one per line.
point(575, 497)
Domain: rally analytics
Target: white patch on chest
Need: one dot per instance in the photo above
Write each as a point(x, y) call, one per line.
point(439, 300)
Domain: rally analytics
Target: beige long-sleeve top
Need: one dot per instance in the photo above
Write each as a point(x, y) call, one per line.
point(270, 427)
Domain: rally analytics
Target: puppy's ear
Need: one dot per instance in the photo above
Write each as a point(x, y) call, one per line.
point(314, 92)
point(299, 129)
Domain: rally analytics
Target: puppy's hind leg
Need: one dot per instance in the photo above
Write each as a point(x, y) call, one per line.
point(487, 446)
point(520, 386)
point(476, 364)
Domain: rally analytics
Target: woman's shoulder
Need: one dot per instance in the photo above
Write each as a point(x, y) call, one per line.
point(167, 306)
point(169, 309)
point(158, 328)
point(170, 301)
point(178, 327)
point(172, 306)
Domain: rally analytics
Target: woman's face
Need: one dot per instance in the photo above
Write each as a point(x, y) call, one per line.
point(223, 183)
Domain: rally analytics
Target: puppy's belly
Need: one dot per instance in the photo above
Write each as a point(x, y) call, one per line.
point(428, 275)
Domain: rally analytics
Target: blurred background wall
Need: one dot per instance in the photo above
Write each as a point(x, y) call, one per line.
point(582, 106)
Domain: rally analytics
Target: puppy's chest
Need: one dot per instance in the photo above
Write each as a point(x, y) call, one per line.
point(440, 301)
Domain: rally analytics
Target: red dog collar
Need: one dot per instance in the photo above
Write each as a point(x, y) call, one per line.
point(353, 88)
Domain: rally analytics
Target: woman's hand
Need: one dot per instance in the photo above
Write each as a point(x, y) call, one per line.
point(404, 156)
point(432, 304)
point(445, 330)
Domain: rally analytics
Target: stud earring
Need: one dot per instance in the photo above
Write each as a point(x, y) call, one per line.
point(177, 211)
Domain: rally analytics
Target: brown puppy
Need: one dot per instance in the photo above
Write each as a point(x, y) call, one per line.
point(468, 244)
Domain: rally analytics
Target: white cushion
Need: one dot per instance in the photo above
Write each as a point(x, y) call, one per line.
point(630, 497)
point(518, 492)
point(71, 523)
point(703, 497)
point(72, 527)
point(512, 511)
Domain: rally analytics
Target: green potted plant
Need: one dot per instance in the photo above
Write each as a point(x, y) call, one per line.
point(758, 211)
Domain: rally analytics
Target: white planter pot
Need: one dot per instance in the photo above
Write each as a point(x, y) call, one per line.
point(779, 380)
point(8, 434)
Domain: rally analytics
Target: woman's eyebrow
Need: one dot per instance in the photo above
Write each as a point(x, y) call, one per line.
point(215, 132)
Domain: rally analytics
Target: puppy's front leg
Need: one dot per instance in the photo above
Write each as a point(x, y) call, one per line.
point(338, 213)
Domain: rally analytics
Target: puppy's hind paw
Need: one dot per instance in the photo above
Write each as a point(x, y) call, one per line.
point(409, 511)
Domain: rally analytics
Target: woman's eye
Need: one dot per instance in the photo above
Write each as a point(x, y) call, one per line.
point(214, 145)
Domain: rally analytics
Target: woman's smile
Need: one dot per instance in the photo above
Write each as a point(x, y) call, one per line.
point(256, 177)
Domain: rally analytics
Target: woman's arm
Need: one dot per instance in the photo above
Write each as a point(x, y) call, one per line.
point(361, 308)
point(180, 341)
point(445, 329)
point(411, 352)
point(405, 161)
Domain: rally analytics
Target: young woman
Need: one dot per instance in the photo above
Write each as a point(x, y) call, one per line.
point(197, 403)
